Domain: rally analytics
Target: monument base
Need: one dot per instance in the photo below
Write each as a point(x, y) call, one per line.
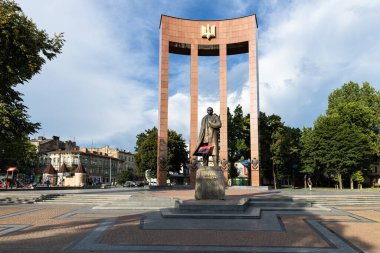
point(209, 183)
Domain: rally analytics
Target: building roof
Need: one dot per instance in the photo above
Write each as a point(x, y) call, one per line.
point(63, 169)
point(107, 150)
point(81, 153)
point(80, 169)
point(49, 170)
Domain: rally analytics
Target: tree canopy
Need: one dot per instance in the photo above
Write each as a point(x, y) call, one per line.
point(146, 151)
point(346, 139)
point(238, 135)
point(279, 144)
point(23, 50)
point(23, 47)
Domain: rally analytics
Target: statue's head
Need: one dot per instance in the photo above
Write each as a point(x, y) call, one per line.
point(210, 111)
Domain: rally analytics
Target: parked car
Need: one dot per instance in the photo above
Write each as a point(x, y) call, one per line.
point(129, 184)
point(139, 183)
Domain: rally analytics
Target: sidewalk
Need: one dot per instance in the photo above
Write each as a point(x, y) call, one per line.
point(79, 228)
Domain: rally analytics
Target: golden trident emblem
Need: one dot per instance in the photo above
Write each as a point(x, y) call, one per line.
point(208, 31)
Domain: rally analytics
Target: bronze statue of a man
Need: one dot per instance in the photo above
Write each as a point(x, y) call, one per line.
point(208, 136)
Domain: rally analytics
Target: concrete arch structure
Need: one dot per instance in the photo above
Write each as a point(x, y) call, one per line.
point(207, 38)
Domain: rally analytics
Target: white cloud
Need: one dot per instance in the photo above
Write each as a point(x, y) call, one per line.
point(98, 87)
point(103, 87)
point(312, 49)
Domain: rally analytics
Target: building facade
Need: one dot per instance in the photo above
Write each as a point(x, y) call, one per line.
point(374, 175)
point(99, 168)
point(102, 164)
point(123, 155)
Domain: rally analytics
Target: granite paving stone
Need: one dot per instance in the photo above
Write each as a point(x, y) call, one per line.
point(79, 228)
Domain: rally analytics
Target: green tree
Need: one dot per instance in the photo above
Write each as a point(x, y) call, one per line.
point(23, 50)
point(177, 154)
point(277, 147)
point(238, 138)
point(352, 92)
point(284, 148)
point(123, 176)
point(358, 177)
point(293, 157)
point(265, 142)
point(310, 159)
point(346, 139)
point(343, 145)
point(238, 135)
point(366, 96)
point(146, 151)
point(279, 144)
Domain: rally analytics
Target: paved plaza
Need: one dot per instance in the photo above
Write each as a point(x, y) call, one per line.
point(108, 227)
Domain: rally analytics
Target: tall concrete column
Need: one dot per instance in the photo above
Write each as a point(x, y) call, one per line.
point(254, 109)
point(162, 148)
point(223, 153)
point(193, 105)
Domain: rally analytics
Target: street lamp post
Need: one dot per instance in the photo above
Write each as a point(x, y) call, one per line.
point(110, 169)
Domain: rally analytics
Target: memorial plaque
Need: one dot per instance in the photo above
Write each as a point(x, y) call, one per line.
point(209, 183)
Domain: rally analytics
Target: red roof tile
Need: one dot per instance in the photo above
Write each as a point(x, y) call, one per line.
point(49, 170)
point(63, 169)
point(80, 169)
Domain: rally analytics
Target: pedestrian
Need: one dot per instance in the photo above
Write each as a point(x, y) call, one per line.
point(48, 182)
point(309, 183)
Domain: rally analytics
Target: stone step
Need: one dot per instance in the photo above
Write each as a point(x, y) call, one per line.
point(255, 203)
point(86, 197)
point(295, 208)
point(122, 207)
point(156, 199)
point(16, 202)
point(113, 201)
point(137, 205)
point(74, 202)
point(125, 203)
point(146, 203)
point(347, 204)
point(342, 200)
point(15, 199)
point(210, 208)
point(64, 203)
point(250, 213)
point(338, 198)
point(20, 199)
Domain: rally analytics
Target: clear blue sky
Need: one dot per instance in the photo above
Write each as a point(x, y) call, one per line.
point(103, 88)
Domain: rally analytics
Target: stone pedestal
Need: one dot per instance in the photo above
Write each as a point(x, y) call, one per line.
point(209, 183)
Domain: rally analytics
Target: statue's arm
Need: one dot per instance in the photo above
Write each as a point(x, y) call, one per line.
point(215, 123)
